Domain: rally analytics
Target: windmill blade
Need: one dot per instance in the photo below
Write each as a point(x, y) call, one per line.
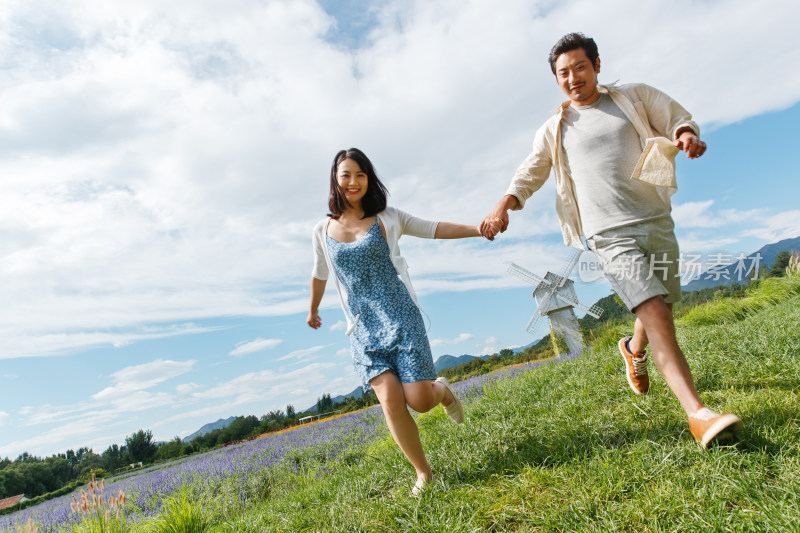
point(526, 275)
point(571, 262)
point(533, 323)
point(594, 310)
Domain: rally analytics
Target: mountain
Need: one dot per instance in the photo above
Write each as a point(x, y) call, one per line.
point(718, 277)
point(358, 392)
point(447, 361)
point(208, 428)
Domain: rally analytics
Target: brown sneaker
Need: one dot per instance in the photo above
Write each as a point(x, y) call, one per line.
point(709, 427)
point(635, 368)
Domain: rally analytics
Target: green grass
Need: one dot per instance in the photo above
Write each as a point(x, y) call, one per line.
point(767, 293)
point(568, 447)
point(180, 516)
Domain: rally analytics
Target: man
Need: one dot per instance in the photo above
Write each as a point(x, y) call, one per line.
point(612, 151)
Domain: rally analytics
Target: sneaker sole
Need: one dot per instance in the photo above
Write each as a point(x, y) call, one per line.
point(726, 429)
point(621, 346)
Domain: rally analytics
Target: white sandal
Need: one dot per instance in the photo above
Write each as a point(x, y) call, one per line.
point(419, 486)
point(455, 410)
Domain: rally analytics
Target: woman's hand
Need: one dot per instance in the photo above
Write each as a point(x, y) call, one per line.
point(317, 290)
point(314, 320)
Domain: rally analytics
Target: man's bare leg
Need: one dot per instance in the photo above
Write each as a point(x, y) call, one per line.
point(654, 323)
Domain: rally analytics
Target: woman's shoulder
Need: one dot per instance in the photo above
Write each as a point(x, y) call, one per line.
point(322, 222)
point(320, 226)
point(394, 213)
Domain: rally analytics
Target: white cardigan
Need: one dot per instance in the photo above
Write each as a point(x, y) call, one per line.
point(396, 223)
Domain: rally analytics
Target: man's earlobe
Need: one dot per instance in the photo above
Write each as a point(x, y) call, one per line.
point(597, 65)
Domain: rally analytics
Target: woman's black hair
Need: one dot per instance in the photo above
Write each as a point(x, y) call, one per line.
point(374, 200)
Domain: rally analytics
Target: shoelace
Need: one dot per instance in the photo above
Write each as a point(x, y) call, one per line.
point(640, 365)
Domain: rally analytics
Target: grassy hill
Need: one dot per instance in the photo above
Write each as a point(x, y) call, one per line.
point(564, 447)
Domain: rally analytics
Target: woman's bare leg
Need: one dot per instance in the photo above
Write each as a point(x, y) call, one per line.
point(401, 424)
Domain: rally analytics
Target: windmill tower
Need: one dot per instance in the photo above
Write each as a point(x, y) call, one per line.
point(556, 299)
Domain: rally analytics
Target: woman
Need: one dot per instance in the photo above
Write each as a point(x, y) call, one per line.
point(391, 353)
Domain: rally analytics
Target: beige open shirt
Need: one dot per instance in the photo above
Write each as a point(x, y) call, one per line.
point(655, 116)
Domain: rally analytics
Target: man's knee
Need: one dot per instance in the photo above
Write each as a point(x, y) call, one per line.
point(653, 307)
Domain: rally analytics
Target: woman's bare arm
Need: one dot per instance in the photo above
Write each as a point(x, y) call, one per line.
point(317, 290)
point(450, 230)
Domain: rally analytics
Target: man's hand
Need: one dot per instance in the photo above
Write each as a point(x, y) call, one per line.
point(691, 144)
point(497, 221)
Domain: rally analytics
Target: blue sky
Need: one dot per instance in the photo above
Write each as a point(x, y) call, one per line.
point(163, 166)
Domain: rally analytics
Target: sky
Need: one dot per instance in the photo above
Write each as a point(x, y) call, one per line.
point(162, 165)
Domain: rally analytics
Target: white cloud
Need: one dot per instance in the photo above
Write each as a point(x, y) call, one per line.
point(463, 337)
point(764, 223)
point(779, 226)
point(344, 352)
point(121, 188)
point(58, 434)
point(266, 384)
point(27, 343)
point(340, 325)
point(140, 377)
point(489, 346)
point(186, 388)
point(5, 419)
point(254, 346)
point(694, 214)
point(700, 215)
point(302, 355)
point(694, 243)
point(127, 394)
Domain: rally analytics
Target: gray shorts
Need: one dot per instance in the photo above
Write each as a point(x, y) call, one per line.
point(641, 260)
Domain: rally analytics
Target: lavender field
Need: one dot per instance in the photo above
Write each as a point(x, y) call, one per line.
point(239, 473)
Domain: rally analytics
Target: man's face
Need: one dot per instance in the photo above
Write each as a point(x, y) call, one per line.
point(577, 77)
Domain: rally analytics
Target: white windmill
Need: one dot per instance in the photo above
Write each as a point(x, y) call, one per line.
point(555, 298)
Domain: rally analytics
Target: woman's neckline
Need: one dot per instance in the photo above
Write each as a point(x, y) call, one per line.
point(349, 242)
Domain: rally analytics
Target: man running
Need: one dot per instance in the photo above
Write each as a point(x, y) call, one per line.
point(612, 150)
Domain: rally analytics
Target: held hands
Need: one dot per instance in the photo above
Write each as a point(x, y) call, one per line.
point(691, 144)
point(491, 226)
point(314, 320)
point(494, 223)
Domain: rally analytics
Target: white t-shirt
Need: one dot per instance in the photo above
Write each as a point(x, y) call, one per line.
point(602, 148)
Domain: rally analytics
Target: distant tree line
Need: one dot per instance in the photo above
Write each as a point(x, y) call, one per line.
point(35, 476)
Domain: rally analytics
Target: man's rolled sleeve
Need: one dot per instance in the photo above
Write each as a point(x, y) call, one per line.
point(533, 171)
point(666, 115)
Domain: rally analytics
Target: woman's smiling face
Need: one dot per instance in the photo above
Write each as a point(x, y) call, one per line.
point(352, 180)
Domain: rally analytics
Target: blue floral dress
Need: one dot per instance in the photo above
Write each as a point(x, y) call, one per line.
point(390, 333)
